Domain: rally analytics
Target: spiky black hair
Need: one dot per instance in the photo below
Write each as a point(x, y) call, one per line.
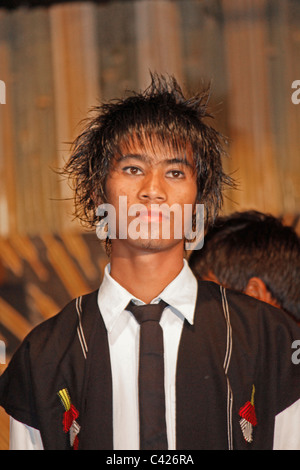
point(161, 112)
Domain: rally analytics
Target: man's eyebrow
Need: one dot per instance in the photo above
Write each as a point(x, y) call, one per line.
point(145, 158)
point(136, 156)
point(182, 161)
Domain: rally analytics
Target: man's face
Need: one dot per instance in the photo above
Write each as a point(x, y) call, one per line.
point(160, 182)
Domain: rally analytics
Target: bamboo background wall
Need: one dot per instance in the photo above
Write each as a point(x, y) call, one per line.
point(59, 61)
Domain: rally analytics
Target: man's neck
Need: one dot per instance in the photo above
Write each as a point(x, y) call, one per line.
point(146, 274)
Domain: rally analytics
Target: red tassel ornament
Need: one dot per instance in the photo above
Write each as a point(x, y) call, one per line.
point(248, 415)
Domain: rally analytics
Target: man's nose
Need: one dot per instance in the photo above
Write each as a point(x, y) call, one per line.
point(153, 189)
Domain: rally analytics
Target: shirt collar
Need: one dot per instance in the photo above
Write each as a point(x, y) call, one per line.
point(180, 294)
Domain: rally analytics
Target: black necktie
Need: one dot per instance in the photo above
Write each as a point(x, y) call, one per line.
point(153, 435)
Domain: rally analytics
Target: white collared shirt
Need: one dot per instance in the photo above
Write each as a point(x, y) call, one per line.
point(123, 337)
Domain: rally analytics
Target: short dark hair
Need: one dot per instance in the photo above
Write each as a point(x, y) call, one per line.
point(161, 112)
point(252, 244)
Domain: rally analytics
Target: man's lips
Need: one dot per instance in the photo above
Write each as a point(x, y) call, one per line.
point(153, 216)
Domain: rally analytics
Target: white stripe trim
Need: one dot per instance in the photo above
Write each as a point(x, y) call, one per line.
point(226, 364)
point(229, 330)
point(80, 329)
point(229, 415)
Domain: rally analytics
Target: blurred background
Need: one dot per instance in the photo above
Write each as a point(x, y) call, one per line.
point(59, 58)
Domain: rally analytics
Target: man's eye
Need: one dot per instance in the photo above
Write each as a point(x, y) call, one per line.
point(175, 174)
point(132, 170)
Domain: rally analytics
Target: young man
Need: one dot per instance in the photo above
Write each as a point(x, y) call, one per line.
point(78, 379)
point(254, 253)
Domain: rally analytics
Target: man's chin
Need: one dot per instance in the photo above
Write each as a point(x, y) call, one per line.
point(152, 245)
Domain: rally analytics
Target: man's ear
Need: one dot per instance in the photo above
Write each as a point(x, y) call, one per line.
point(258, 289)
